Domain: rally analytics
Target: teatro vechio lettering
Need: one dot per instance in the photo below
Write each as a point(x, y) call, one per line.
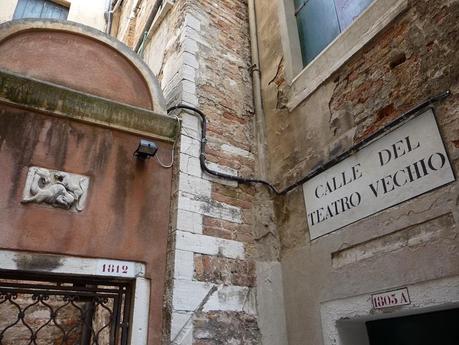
point(407, 162)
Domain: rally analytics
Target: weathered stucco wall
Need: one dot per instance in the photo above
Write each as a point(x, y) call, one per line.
point(125, 215)
point(44, 123)
point(121, 187)
point(101, 70)
point(414, 58)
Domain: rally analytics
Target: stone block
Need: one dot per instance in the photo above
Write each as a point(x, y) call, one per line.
point(190, 165)
point(194, 185)
point(209, 245)
point(184, 265)
point(189, 221)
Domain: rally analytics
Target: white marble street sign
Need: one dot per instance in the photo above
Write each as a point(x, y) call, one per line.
point(405, 163)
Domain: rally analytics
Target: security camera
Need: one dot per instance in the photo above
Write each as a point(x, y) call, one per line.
point(146, 149)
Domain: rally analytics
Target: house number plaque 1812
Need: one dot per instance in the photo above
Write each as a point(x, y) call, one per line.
point(116, 268)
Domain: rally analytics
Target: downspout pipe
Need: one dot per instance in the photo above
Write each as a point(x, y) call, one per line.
point(108, 17)
point(146, 29)
point(110, 13)
point(257, 100)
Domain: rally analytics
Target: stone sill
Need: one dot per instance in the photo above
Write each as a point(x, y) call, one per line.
point(374, 19)
point(44, 97)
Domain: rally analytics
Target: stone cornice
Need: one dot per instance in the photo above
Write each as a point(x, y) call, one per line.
point(44, 97)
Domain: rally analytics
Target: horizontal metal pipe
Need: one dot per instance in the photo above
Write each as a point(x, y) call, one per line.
point(358, 146)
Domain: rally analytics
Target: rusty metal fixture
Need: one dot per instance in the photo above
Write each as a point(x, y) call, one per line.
point(146, 150)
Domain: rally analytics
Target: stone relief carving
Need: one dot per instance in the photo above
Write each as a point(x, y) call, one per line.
point(56, 188)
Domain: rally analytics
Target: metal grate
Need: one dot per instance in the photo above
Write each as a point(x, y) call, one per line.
point(36, 310)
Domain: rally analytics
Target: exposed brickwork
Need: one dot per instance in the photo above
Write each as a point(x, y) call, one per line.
point(242, 197)
point(220, 270)
point(126, 23)
point(224, 229)
point(224, 86)
point(37, 316)
point(226, 328)
point(201, 55)
point(130, 20)
point(414, 59)
point(224, 94)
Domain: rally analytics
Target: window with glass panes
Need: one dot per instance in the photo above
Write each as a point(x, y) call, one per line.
point(40, 9)
point(320, 21)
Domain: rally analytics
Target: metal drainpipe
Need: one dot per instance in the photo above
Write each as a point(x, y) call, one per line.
point(256, 81)
point(146, 30)
point(110, 12)
point(109, 15)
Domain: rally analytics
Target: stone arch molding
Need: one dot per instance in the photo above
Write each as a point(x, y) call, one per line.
point(80, 58)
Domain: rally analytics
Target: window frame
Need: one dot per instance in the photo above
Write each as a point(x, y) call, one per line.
point(63, 3)
point(304, 80)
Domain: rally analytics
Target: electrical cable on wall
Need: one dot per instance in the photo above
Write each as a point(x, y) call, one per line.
point(169, 165)
point(202, 156)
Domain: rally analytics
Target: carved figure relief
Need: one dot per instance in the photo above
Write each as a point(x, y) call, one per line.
point(56, 188)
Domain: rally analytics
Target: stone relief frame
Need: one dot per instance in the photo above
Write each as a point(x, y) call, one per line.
point(56, 188)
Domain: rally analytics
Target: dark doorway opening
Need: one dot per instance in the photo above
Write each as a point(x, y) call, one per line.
point(436, 328)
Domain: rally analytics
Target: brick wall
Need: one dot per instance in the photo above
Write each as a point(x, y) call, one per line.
point(37, 315)
point(201, 54)
point(413, 60)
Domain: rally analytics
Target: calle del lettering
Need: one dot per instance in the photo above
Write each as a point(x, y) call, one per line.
point(407, 162)
point(411, 172)
point(342, 204)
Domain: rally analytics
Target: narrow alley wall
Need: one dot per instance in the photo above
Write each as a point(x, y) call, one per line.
point(201, 55)
point(413, 58)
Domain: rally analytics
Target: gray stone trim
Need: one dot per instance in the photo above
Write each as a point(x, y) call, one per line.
point(56, 100)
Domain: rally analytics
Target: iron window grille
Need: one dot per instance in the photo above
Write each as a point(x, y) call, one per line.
point(38, 310)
